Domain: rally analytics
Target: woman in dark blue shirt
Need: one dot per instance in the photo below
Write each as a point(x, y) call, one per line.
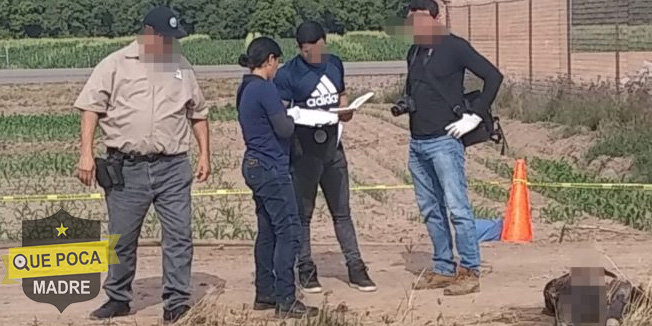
point(267, 127)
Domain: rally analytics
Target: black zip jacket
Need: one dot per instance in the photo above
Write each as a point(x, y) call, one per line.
point(447, 60)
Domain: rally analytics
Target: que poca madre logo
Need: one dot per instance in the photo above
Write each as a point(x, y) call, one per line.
point(61, 259)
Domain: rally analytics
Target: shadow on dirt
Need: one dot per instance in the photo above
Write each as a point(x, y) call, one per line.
point(417, 261)
point(521, 316)
point(148, 291)
point(331, 265)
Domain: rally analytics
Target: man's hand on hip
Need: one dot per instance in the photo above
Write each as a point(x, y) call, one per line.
point(203, 168)
point(463, 126)
point(86, 170)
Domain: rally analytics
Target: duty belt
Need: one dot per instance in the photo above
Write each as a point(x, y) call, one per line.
point(141, 157)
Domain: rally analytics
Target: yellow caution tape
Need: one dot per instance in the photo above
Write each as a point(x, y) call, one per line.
point(199, 193)
point(230, 192)
point(603, 186)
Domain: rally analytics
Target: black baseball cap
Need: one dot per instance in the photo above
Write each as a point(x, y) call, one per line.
point(164, 22)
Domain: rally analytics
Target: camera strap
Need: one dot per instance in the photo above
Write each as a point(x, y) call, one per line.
point(406, 86)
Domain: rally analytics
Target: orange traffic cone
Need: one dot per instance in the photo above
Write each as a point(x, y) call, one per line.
point(517, 226)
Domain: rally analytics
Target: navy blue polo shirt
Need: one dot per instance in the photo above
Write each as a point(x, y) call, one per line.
point(311, 86)
point(257, 100)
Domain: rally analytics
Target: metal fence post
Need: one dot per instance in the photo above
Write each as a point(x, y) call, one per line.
point(497, 34)
point(530, 60)
point(617, 58)
point(469, 21)
point(569, 43)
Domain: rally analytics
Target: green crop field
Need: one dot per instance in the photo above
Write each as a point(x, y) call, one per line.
point(199, 49)
point(354, 46)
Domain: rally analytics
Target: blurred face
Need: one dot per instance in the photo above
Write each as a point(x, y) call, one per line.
point(424, 26)
point(314, 52)
point(273, 63)
point(157, 46)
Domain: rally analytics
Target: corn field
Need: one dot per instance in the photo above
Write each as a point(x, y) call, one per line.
point(199, 49)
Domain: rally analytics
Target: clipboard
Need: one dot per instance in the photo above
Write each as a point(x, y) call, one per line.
point(355, 105)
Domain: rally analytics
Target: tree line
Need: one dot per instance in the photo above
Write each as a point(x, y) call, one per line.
point(221, 19)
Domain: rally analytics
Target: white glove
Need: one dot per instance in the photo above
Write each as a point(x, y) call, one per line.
point(294, 113)
point(463, 126)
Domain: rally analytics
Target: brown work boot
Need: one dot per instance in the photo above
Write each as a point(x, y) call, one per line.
point(466, 282)
point(432, 280)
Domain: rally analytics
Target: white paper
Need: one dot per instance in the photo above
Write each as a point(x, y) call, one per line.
point(355, 104)
point(313, 118)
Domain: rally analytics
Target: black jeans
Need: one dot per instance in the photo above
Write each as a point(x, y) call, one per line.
point(332, 175)
point(278, 238)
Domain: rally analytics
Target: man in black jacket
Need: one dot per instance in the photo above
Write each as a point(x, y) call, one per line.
point(437, 154)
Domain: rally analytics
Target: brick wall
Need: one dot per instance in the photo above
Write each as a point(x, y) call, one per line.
point(504, 25)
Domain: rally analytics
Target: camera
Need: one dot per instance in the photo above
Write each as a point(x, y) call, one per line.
point(404, 105)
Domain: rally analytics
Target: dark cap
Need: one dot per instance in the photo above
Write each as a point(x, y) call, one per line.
point(164, 22)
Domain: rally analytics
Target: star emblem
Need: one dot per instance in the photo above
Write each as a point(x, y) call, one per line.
point(62, 230)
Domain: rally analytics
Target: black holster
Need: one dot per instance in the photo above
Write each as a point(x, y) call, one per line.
point(109, 172)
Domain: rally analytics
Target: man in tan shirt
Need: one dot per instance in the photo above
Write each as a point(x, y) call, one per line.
point(146, 99)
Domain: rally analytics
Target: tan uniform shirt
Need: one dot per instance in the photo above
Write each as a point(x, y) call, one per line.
point(143, 109)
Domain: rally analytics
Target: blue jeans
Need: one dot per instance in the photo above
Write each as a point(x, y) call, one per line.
point(438, 173)
point(277, 241)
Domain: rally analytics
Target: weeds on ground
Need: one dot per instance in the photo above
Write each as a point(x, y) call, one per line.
point(64, 127)
point(208, 312)
point(639, 312)
point(623, 117)
point(630, 207)
point(380, 196)
point(489, 191)
point(487, 213)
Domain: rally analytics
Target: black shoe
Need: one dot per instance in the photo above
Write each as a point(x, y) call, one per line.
point(111, 309)
point(359, 279)
point(171, 316)
point(263, 302)
point(295, 309)
point(308, 280)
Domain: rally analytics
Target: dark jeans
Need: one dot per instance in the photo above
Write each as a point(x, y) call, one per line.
point(277, 241)
point(309, 172)
point(165, 183)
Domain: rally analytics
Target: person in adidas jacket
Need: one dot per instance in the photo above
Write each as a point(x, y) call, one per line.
point(314, 79)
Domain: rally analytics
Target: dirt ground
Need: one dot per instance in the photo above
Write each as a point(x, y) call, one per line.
point(394, 243)
point(511, 289)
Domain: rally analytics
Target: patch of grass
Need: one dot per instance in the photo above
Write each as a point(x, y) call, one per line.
point(53, 164)
point(209, 311)
point(64, 127)
point(488, 213)
point(630, 207)
point(560, 213)
point(38, 164)
point(489, 191)
point(380, 196)
point(627, 142)
point(623, 120)
point(589, 105)
point(639, 311)
point(224, 222)
point(502, 169)
point(223, 114)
